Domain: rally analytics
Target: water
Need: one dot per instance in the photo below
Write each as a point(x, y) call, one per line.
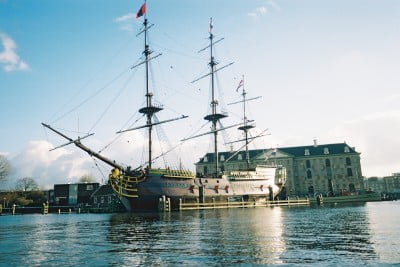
point(355, 234)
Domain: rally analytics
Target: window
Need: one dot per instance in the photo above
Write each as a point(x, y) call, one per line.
point(205, 159)
point(95, 200)
point(240, 157)
point(109, 199)
point(352, 188)
point(329, 172)
point(326, 150)
point(327, 163)
point(311, 190)
point(89, 187)
point(308, 164)
point(205, 170)
point(306, 152)
point(222, 158)
point(348, 161)
point(346, 149)
point(349, 172)
point(102, 200)
point(309, 175)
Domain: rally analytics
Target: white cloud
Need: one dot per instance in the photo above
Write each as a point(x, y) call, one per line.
point(376, 137)
point(258, 12)
point(126, 22)
point(8, 57)
point(49, 168)
point(124, 18)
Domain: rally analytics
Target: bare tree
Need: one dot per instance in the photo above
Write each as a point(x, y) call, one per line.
point(87, 178)
point(5, 168)
point(26, 184)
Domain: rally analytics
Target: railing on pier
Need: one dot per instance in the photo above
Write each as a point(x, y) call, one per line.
point(240, 204)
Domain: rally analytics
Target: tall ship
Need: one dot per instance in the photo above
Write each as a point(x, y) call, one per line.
point(142, 187)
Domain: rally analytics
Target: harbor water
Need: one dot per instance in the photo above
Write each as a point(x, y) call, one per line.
point(351, 234)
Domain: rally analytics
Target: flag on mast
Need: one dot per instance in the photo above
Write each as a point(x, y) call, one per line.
point(211, 25)
point(241, 83)
point(141, 11)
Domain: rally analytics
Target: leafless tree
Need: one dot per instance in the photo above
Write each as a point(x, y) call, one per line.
point(87, 178)
point(26, 184)
point(5, 169)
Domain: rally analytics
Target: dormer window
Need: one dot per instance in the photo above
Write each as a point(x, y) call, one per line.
point(346, 149)
point(222, 158)
point(306, 152)
point(326, 150)
point(205, 159)
point(240, 157)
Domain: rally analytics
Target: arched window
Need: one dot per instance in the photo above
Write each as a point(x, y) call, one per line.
point(327, 162)
point(308, 164)
point(222, 158)
point(309, 174)
point(348, 161)
point(349, 172)
point(240, 157)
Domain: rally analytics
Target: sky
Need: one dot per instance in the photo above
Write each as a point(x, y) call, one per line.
point(326, 70)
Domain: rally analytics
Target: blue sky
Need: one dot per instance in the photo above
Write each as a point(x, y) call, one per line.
point(325, 69)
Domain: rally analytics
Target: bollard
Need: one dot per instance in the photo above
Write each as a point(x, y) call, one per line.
point(13, 209)
point(69, 211)
point(180, 203)
point(79, 210)
point(59, 211)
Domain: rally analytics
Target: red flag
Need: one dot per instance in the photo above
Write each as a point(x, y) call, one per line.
point(241, 83)
point(141, 11)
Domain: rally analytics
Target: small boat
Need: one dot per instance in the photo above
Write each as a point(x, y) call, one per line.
point(142, 187)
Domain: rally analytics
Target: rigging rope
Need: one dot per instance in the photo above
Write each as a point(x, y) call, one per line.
point(80, 90)
point(113, 101)
point(91, 96)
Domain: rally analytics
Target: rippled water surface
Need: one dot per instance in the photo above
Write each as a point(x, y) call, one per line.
point(354, 234)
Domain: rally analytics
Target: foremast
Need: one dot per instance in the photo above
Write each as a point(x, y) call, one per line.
point(150, 109)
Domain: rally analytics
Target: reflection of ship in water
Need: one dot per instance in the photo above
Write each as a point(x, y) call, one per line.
point(143, 186)
point(217, 237)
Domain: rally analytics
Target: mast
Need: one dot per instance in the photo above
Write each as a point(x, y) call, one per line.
point(214, 117)
point(150, 109)
point(246, 127)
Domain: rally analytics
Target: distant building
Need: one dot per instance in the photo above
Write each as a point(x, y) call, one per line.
point(105, 200)
point(392, 185)
point(72, 194)
point(375, 184)
point(327, 169)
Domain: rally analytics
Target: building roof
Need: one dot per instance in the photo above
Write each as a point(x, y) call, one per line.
point(319, 150)
point(298, 151)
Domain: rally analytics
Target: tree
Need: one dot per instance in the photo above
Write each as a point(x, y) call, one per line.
point(26, 184)
point(5, 168)
point(87, 178)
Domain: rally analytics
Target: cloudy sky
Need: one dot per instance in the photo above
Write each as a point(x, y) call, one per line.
point(326, 70)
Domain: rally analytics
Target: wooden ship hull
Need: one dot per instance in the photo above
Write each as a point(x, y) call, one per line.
point(152, 189)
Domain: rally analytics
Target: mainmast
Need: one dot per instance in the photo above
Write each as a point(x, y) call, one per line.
point(214, 117)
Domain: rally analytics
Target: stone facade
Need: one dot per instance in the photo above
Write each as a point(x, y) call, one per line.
point(327, 169)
